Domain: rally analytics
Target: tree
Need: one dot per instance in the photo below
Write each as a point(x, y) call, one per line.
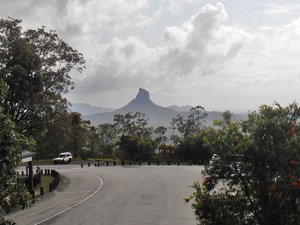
point(12, 192)
point(190, 124)
point(36, 66)
point(55, 138)
point(257, 164)
point(107, 134)
point(79, 135)
point(161, 135)
point(132, 124)
point(192, 149)
point(135, 141)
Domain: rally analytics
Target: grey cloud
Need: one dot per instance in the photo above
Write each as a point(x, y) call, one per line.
point(207, 45)
point(103, 80)
point(129, 50)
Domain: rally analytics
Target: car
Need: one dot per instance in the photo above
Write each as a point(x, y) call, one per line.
point(64, 157)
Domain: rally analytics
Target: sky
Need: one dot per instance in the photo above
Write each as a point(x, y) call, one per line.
point(222, 55)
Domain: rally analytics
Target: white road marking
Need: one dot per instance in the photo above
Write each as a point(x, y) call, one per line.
point(78, 203)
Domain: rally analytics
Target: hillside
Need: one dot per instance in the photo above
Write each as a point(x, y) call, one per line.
point(158, 115)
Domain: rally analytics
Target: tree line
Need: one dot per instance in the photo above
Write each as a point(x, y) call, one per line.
point(128, 138)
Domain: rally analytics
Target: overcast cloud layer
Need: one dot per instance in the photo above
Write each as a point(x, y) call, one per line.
point(221, 55)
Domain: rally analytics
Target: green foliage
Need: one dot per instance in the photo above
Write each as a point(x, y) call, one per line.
point(56, 138)
point(35, 66)
point(12, 192)
point(107, 134)
point(135, 142)
point(192, 149)
point(252, 180)
point(190, 124)
point(132, 124)
point(189, 142)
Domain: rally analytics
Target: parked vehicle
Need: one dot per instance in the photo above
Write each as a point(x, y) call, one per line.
point(64, 157)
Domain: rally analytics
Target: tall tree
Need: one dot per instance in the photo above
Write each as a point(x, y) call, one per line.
point(135, 141)
point(79, 135)
point(107, 134)
point(257, 164)
point(132, 124)
point(12, 192)
point(36, 66)
point(190, 124)
point(55, 138)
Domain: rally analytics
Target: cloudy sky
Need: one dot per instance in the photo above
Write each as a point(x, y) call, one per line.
point(222, 55)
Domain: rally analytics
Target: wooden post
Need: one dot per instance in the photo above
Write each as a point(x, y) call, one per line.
point(41, 191)
point(30, 178)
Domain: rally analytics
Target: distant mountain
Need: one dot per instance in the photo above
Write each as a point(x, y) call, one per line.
point(86, 109)
point(180, 108)
point(158, 115)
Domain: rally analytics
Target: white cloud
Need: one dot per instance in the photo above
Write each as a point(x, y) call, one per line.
point(203, 43)
point(276, 9)
point(205, 55)
point(176, 6)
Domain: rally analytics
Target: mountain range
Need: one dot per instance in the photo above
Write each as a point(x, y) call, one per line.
point(157, 115)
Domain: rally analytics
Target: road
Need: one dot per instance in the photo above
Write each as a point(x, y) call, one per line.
point(132, 195)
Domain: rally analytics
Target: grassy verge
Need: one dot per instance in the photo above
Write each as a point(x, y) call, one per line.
point(45, 180)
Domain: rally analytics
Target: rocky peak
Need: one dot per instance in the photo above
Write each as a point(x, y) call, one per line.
point(143, 95)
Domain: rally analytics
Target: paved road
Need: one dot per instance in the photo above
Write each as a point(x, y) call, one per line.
point(150, 195)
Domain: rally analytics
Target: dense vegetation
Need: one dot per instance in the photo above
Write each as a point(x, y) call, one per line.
point(34, 73)
point(254, 178)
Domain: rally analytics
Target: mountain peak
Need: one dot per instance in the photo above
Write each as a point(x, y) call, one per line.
point(143, 95)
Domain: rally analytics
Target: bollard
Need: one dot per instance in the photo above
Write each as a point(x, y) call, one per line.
point(140, 163)
point(81, 165)
point(41, 171)
point(115, 163)
point(53, 184)
point(95, 164)
point(123, 163)
point(50, 187)
point(41, 191)
point(178, 163)
point(89, 164)
point(157, 163)
point(33, 196)
point(149, 163)
point(129, 163)
point(107, 163)
point(98, 161)
point(190, 162)
point(168, 162)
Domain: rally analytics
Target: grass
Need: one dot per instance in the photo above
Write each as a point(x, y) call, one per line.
point(45, 180)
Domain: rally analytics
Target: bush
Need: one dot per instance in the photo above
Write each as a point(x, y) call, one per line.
point(257, 165)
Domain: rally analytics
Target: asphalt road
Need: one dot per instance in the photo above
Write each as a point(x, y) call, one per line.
point(133, 195)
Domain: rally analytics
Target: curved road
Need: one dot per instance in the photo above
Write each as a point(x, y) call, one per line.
point(150, 195)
